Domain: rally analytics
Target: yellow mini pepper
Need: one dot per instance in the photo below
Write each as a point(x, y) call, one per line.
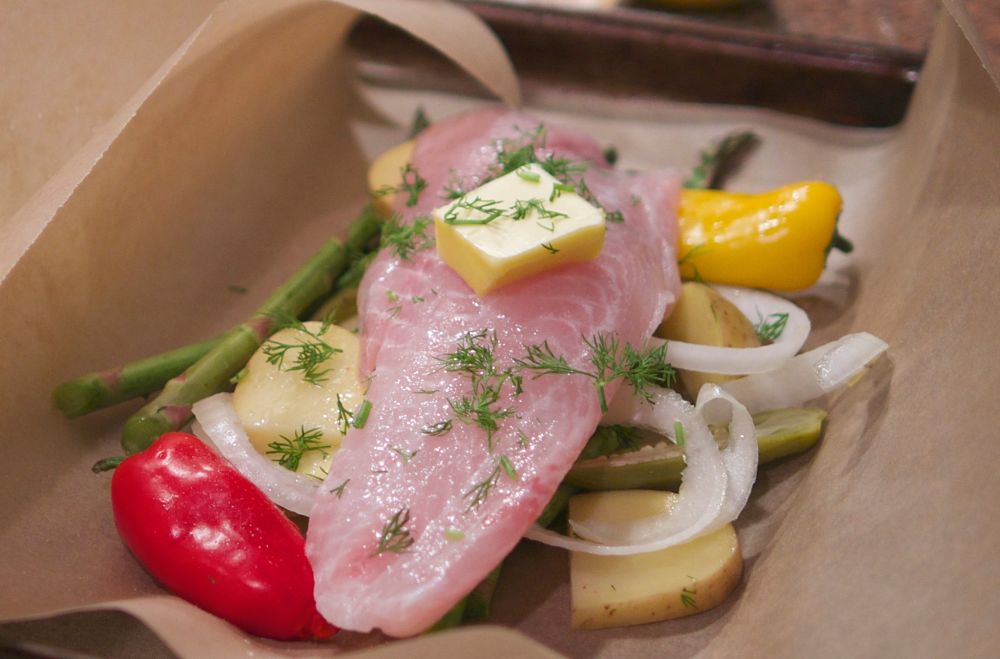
point(777, 239)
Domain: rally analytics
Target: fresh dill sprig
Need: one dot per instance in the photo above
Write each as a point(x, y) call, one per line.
point(406, 239)
point(771, 328)
point(339, 490)
point(310, 353)
point(344, 417)
point(522, 208)
point(611, 361)
point(550, 249)
point(687, 598)
point(474, 356)
point(395, 537)
point(292, 449)
point(488, 210)
point(479, 492)
point(411, 183)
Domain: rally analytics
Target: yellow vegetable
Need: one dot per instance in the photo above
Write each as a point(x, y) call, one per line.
point(703, 316)
point(385, 173)
point(777, 239)
point(276, 404)
point(614, 591)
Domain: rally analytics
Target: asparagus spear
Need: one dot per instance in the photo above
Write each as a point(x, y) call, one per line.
point(171, 409)
point(94, 391)
point(717, 162)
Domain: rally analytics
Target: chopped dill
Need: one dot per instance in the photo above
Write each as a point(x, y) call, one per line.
point(768, 330)
point(395, 537)
point(488, 210)
point(474, 356)
point(559, 188)
point(678, 433)
point(339, 490)
point(309, 353)
point(405, 239)
point(687, 598)
point(614, 216)
point(412, 184)
point(529, 176)
point(611, 361)
point(361, 414)
point(549, 248)
point(292, 449)
point(523, 207)
point(479, 492)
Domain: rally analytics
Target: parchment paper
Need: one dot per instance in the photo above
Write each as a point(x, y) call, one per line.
point(249, 145)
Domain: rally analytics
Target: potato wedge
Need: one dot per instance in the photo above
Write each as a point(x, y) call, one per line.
point(615, 591)
point(703, 316)
point(385, 173)
point(275, 403)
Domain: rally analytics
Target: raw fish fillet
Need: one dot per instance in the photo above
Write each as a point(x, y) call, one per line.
point(462, 508)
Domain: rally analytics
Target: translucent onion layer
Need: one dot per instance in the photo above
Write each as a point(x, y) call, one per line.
point(222, 427)
point(714, 487)
point(740, 361)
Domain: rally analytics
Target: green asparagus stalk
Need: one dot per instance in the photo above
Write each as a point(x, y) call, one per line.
point(719, 161)
point(480, 600)
point(171, 409)
point(94, 391)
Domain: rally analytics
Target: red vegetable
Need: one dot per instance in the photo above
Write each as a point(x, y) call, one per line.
point(210, 536)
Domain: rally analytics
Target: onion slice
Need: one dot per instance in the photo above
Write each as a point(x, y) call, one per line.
point(222, 427)
point(715, 484)
point(740, 361)
point(810, 375)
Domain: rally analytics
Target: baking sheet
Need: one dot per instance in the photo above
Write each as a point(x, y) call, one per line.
point(250, 144)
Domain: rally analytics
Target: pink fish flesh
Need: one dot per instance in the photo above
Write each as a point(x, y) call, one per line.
point(420, 505)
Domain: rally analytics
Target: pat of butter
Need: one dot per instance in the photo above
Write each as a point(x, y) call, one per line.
point(516, 226)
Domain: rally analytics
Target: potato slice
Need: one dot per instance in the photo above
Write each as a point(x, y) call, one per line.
point(275, 403)
point(703, 316)
point(386, 172)
point(615, 591)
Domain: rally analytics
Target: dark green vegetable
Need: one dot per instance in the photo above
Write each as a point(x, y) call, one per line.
point(779, 433)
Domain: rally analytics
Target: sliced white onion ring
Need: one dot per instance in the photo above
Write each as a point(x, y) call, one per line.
point(222, 427)
point(740, 361)
point(810, 375)
point(714, 486)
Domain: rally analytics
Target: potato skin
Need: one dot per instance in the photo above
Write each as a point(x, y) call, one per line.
point(616, 591)
point(386, 172)
point(703, 316)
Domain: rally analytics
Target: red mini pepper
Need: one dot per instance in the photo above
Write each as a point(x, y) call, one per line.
point(210, 536)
